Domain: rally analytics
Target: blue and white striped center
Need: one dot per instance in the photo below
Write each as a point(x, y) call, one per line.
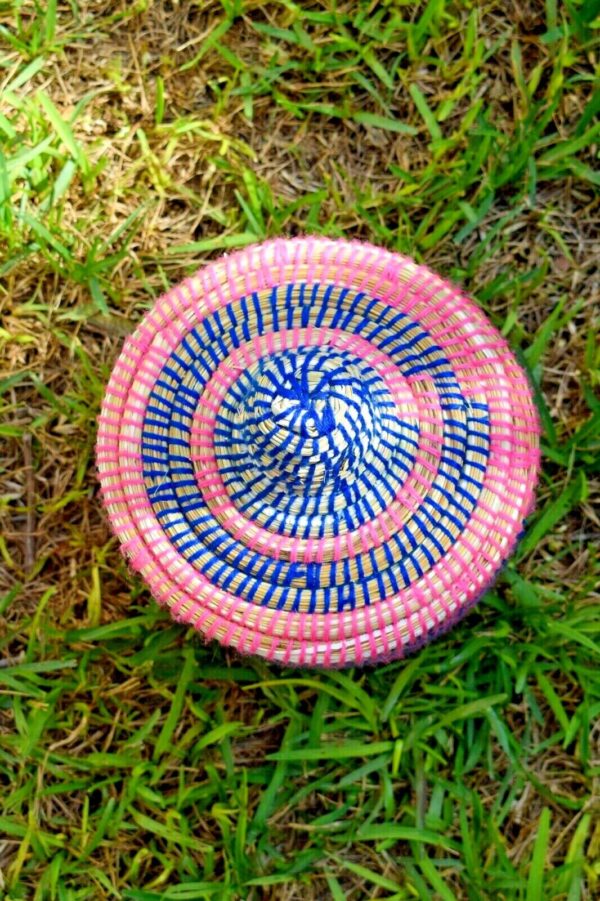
point(307, 420)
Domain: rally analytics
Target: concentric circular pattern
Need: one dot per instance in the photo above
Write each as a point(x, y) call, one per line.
point(317, 451)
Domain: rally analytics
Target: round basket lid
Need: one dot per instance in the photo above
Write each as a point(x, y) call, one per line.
point(317, 451)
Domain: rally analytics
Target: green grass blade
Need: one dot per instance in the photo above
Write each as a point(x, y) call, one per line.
point(535, 881)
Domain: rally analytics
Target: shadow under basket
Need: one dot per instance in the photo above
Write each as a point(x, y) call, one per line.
point(318, 452)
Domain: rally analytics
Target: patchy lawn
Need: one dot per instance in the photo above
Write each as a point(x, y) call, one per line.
point(137, 141)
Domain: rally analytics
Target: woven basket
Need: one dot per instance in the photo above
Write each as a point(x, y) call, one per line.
point(317, 451)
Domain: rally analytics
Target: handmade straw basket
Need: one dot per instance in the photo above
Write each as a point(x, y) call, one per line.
point(317, 451)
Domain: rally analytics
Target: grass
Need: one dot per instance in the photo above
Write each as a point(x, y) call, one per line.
point(138, 140)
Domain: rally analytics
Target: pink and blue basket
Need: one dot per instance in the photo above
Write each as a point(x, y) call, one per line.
point(318, 452)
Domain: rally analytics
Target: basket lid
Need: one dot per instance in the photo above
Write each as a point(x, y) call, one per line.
point(317, 451)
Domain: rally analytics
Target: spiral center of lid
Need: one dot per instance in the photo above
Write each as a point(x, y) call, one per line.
point(309, 419)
